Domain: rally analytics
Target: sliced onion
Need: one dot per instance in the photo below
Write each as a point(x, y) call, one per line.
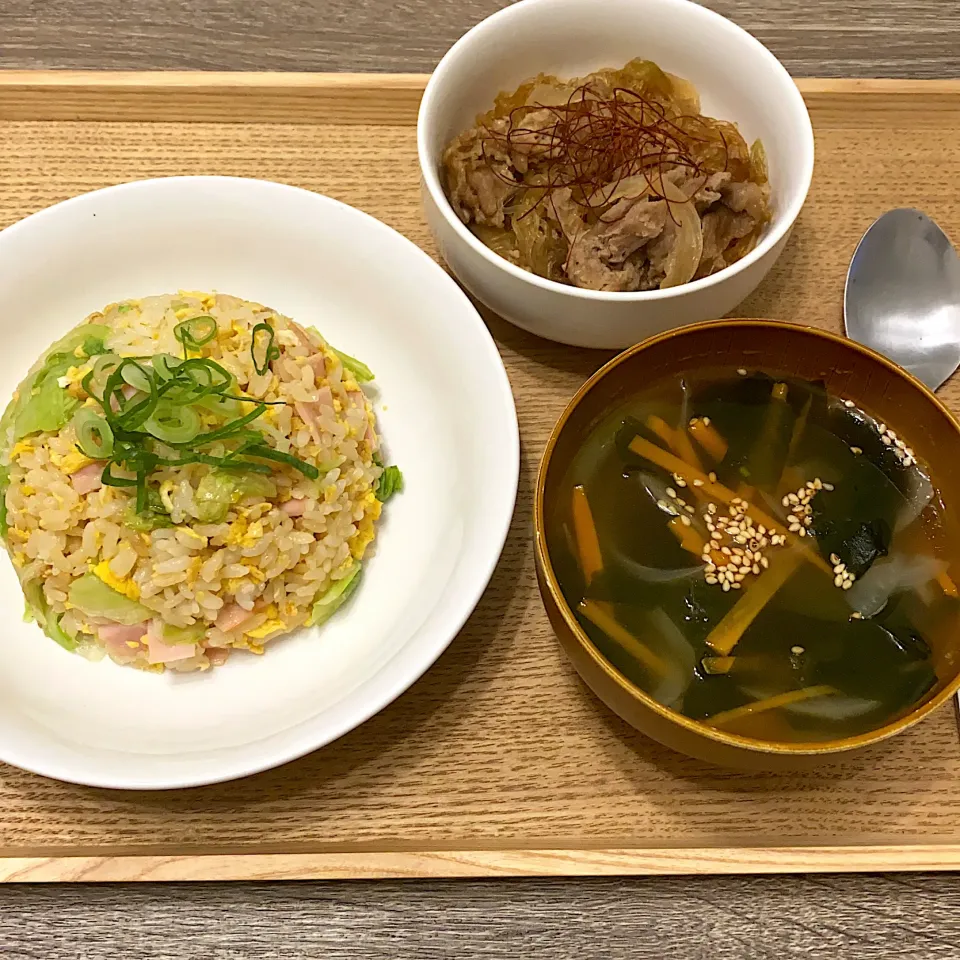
point(918, 495)
point(870, 594)
point(679, 657)
point(687, 250)
point(635, 187)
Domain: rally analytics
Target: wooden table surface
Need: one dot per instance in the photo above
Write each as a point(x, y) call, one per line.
point(912, 916)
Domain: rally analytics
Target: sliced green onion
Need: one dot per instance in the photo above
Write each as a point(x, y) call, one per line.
point(264, 452)
point(220, 404)
point(94, 382)
point(136, 376)
point(165, 365)
point(94, 436)
point(124, 307)
point(108, 479)
point(261, 344)
point(390, 482)
point(173, 423)
point(229, 429)
point(195, 332)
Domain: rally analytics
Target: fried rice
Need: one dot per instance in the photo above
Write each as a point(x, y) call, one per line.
point(164, 565)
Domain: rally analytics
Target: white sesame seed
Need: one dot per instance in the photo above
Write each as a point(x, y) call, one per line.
point(796, 650)
point(828, 486)
point(712, 477)
point(764, 562)
point(856, 451)
point(792, 518)
point(735, 585)
point(882, 428)
point(847, 584)
point(685, 520)
point(706, 421)
point(755, 568)
point(856, 615)
point(794, 527)
point(726, 586)
point(838, 580)
point(887, 441)
point(849, 404)
point(725, 551)
point(802, 532)
point(671, 493)
point(834, 558)
point(698, 483)
point(710, 579)
point(742, 371)
point(688, 508)
point(891, 435)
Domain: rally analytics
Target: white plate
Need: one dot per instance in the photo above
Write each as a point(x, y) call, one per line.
point(446, 414)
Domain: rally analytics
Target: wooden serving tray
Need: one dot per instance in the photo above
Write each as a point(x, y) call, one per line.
point(498, 762)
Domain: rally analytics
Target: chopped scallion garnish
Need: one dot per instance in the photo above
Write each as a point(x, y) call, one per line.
point(262, 348)
point(195, 332)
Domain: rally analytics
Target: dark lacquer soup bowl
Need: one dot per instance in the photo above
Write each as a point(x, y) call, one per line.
point(745, 542)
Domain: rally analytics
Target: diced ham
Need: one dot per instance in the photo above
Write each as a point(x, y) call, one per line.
point(318, 363)
point(232, 616)
point(357, 399)
point(117, 637)
point(309, 414)
point(294, 508)
point(160, 652)
point(302, 336)
point(371, 438)
point(324, 397)
point(87, 479)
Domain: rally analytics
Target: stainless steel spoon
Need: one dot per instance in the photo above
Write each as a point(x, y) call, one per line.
point(903, 295)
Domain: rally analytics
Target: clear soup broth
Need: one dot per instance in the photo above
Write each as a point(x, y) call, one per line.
point(758, 555)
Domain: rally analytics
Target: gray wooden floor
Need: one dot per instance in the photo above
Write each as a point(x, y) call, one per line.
point(875, 918)
point(908, 916)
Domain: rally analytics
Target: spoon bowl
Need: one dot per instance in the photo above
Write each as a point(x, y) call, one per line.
point(902, 296)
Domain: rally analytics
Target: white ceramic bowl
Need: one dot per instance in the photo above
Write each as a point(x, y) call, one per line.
point(444, 403)
point(738, 79)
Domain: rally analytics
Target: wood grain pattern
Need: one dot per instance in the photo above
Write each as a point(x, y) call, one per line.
point(492, 863)
point(830, 38)
point(703, 918)
point(333, 98)
point(499, 748)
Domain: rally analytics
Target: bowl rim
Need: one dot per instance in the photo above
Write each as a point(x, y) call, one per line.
point(405, 667)
point(549, 580)
point(778, 229)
